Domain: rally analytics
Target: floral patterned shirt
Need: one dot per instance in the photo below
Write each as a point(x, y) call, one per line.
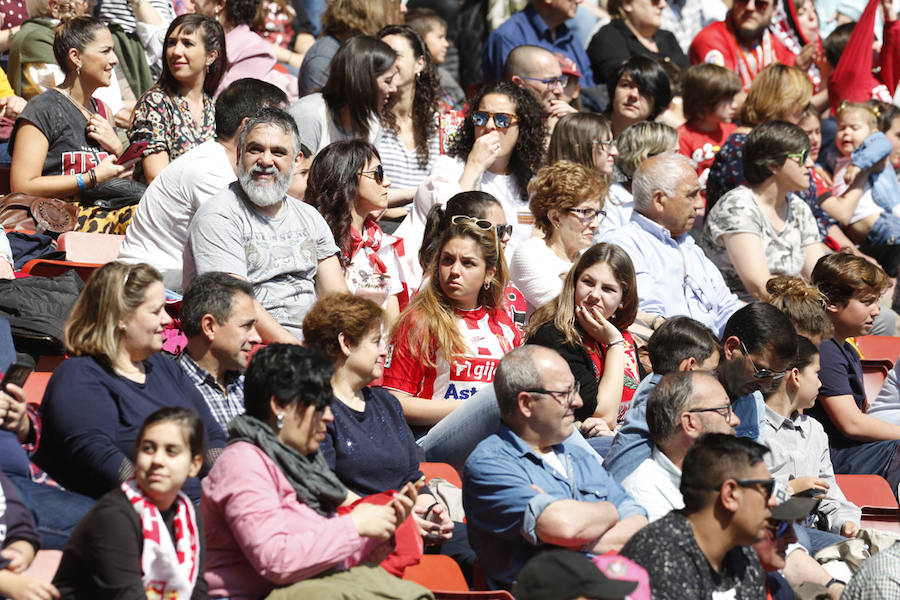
point(166, 122)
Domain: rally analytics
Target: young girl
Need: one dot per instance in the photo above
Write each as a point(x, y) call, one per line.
point(798, 447)
point(708, 91)
point(144, 538)
point(588, 325)
point(866, 194)
point(860, 443)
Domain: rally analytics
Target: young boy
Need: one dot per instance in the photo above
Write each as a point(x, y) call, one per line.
point(708, 91)
point(433, 30)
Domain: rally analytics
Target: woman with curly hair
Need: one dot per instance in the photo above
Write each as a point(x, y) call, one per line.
point(566, 199)
point(449, 340)
point(497, 150)
point(348, 186)
point(360, 83)
point(409, 139)
point(248, 54)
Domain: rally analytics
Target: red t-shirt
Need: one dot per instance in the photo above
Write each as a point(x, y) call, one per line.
point(718, 45)
point(701, 146)
point(488, 336)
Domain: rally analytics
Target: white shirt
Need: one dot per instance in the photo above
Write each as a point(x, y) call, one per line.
point(159, 228)
point(538, 272)
point(655, 485)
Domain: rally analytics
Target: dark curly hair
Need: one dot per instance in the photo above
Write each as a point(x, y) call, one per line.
point(213, 37)
point(241, 12)
point(529, 150)
point(425, 98)
point(332, 186)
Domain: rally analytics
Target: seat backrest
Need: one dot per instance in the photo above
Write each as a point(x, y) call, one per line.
point(874, 374)
point(97, 248)
point(437, 572)
point(879, 347)
point(442, 470)
point(871, 493)
point(35, 385)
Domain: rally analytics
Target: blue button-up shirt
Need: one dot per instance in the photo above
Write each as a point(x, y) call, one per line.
point(674, 276)
point(526, 27)
point(502, 507)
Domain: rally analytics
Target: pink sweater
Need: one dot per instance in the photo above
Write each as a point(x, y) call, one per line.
point(259, 536)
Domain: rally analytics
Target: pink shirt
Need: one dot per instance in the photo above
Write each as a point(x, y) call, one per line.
point(259, 536)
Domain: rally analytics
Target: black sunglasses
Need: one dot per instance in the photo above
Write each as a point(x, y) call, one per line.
point(377, 174)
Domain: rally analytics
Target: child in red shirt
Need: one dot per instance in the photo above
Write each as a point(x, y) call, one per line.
point(709, 92)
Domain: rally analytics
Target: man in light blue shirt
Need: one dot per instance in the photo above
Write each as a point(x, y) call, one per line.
point(527, 487)
point(674, 276)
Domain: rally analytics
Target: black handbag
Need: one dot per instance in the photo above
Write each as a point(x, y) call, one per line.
point(115, 193)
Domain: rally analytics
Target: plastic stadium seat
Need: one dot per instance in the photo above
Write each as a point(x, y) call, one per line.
point(871, 493)
point(52, 268)
point(437, 572)
point(35, 385)
point(874, 374)
point(879, 347)
point(84, 247)
point(45, 564)
point(442, 470)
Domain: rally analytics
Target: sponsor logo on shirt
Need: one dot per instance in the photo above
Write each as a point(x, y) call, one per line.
point(388, 356)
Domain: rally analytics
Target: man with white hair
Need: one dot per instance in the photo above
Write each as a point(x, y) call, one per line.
point(674, 276)
point(251, 230)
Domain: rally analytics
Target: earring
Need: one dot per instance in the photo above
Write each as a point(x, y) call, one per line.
point(78, 71)
point(279, 421)
point(487, 285)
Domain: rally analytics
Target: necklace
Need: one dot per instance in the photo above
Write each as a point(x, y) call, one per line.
point(87, 114)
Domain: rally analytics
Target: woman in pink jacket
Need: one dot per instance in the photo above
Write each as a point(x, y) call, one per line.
point(271, 502)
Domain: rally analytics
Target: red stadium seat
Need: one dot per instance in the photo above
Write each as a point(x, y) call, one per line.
point(442, 470)
point(879, 347)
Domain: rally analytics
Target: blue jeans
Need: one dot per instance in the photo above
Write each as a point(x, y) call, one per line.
point(456, 435)
point(816, 539)
point(56, 511)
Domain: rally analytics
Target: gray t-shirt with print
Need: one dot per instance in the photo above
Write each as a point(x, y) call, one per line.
point(279, 255)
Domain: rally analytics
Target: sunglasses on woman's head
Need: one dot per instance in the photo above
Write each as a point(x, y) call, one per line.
point(377, 174)
point(502, 230)
point(502, 120)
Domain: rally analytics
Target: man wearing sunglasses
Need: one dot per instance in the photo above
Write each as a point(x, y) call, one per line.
point(537, 70)
point(528, 486)
point(702, 551)
point(541, 23)
point(742, 42)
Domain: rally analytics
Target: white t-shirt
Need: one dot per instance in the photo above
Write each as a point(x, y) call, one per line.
point(278, 255)
point(538, 272)
point(866, 205)
point(317, 128)
point(159, 228)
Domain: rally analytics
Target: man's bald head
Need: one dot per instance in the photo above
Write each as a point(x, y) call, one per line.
point(527, 65)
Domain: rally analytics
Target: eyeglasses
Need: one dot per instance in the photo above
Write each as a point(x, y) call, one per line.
point(377, 174)
point(501, 120)
point(800, 157)
point(776, 376)
point(768, 485)
point(724, 411)
point(587, 215)
point(504, 231)
point(761, 5)
point(549, 82)
point(604, 145)
point(566, 395)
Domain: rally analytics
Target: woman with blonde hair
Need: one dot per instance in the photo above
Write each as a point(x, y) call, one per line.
point(804, 305)
point(779, 92)
point(96, 401)
point(566, 199)
point(636, 144)
point(448, 341)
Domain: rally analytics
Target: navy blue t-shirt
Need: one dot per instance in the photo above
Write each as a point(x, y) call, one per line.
point(841, 375)
point(91, 418)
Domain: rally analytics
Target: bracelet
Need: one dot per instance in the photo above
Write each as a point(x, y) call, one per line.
point(832, 581)
point(79, 179)
point(621, 340)
point(428, 511)
point(653, 323)
point(93, 175)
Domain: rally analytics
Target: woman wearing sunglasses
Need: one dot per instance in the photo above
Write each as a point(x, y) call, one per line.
point(453, 334)
point(348, 186)
point(567, 204)
point(763, 228)
point(496, 150)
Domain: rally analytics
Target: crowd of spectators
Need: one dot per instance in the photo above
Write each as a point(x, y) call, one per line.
point(607, 259)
